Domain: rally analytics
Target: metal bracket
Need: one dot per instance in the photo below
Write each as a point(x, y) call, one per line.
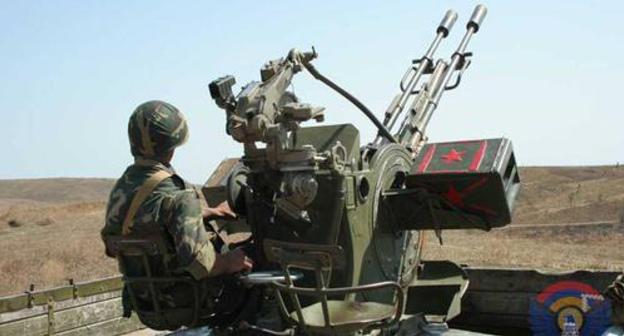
point(31, 297)
point(463, 64)
point(50, 309)
point(415, 65)
point(74, 288)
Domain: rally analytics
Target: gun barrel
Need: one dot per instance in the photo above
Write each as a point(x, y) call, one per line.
point(398, 104)
point(477, 18)
point(413, 120)
point(447, 23)
point(472, 27)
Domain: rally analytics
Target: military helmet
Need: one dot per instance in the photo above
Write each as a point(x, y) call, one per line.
point(155, 128)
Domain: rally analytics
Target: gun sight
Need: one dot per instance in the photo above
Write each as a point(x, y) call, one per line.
point(221, 90)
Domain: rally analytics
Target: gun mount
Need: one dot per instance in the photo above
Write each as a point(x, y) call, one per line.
point(353, 217)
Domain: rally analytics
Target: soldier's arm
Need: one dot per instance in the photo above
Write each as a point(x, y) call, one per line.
point(194, 250)
point(221, 211)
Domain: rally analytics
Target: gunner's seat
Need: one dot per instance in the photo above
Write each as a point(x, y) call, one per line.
point(162, 300)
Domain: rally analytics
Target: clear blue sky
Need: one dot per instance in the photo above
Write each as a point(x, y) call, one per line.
point(545, 74)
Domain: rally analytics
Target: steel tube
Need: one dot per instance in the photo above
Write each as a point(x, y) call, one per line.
point(472, 26)
point(442, 31)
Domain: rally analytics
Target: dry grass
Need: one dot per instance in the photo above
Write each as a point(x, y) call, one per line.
point(53, 243)
point(577, 248)
point(49, 228)
point(570, 194)
point(553, 195)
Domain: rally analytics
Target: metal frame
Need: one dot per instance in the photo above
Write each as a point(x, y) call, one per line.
point(144, 249)
point(322, 259)
point(32, 298)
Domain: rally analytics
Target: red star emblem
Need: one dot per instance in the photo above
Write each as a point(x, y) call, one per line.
point(457, 197)
point(454, 196)
point(453, 156)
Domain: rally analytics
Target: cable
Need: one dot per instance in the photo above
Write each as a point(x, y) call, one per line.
point(382, 129)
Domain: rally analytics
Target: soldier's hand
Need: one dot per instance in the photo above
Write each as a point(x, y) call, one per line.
point(237, 261)
point(233, 261)
point(221, 211)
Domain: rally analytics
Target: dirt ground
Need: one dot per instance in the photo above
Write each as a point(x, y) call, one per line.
point(49, 228)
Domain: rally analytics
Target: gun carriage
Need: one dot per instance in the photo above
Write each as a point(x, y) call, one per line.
point(337, 226)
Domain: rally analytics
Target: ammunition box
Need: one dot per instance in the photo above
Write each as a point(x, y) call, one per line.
point(457, 185)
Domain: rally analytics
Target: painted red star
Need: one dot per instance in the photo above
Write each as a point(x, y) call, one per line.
point(455, 197)
point(453, 156)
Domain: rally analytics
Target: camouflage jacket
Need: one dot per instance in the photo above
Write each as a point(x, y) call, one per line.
point(172, 210)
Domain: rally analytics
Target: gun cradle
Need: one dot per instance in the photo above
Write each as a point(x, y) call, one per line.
point(457, 185)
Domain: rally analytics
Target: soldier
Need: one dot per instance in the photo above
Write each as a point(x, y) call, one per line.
point(151, 200)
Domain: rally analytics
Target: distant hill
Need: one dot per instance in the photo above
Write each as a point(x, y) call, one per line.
point(553, 195)
point(548, 194)
point(56, 190)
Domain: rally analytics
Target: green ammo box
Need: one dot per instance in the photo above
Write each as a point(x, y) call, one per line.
point(458, 185)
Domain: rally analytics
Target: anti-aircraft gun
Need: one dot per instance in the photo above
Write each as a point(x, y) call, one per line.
point(337, 229)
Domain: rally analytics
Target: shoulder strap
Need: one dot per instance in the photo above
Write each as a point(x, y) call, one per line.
point(140, 196)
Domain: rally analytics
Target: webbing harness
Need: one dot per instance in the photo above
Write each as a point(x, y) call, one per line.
point(144, 191)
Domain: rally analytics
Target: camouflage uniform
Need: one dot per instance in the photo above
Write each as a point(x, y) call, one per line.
point(171, 212)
